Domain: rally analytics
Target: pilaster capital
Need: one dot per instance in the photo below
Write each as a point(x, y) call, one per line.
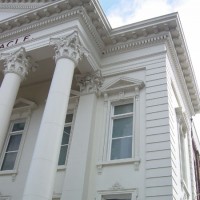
point(68, 47)
point(90, 82)
point(18, 62)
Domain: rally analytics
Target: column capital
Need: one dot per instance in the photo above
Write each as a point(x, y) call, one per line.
point(18, 62)
point(90, 82)
point(68, 47)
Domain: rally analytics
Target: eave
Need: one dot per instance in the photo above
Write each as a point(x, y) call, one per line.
point(111, 40)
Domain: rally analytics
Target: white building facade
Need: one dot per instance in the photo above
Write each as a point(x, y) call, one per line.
point(89, 112)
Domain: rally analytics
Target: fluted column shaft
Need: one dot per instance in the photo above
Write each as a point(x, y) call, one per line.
point(41, 176)
point(17, 65)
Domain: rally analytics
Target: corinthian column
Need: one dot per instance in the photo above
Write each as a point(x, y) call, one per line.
point(17, 66)
point(40, 181)
point(76, 182)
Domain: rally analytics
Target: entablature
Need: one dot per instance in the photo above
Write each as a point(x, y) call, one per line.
point(108, 40)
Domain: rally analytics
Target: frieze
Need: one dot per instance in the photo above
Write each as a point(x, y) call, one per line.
point(15, 41)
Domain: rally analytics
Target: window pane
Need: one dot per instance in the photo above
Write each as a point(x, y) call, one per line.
point(66, 133)
point(9, 161)
point(121, 148)
point(121, 109)
point(18, 127)
point(122, 127)
point(14, 142)
point(69, 118)
point(63, 153)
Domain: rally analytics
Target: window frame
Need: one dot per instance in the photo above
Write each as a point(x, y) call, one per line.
point(119, 194)
point(60, 167)
point(21, 145)
point(182, 130)
point(116, 91)
point(111, 120)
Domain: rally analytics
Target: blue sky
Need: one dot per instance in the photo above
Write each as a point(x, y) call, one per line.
point(122, 12)
point(107, 4)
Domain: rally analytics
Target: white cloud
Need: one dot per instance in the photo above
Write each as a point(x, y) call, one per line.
point(129, 11)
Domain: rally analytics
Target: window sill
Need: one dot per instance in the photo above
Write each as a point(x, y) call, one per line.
point(8, 172)
point(135, 162)
point(12, 173)
point(61, 168)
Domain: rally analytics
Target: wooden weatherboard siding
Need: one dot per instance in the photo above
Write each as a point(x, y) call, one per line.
point(158, 146)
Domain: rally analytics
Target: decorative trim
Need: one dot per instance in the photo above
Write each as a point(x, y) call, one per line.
point(18, 62)
point(121, 192)
point(90, 82)
point(116, 186)
point(101, 165)
point(13, 5)
point(121, 47)
point(23, 108)
point(68, 47)
point(109, 41)
point(182, 120)
point(121, 85)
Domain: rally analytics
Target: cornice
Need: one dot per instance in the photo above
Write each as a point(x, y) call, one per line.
point(134, 44)
point(43, 17)
point(24, 1)
point(110, 40)
point(185, 75)
point(15, 5)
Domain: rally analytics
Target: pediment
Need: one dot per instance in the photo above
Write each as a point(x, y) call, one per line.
point(123, 83)
point(22, 103)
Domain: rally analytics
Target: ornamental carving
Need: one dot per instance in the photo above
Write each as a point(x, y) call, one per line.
point(18, 62)
point(90, 82)
point(116, 186)
point(68, 47)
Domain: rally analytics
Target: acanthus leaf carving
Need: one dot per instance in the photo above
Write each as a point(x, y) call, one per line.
point(18, 62)
point(68, 47)
point(90, 82)
point(116, 186)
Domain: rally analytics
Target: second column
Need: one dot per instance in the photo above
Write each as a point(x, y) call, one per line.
point(44, 163)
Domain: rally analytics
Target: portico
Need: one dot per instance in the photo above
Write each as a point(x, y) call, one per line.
point(97, 119)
